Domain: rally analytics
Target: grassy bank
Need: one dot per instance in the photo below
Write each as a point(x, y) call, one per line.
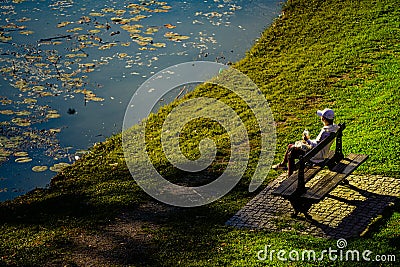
point(341, 54)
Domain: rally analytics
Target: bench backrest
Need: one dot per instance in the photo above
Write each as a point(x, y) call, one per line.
point(300, 165)
point(321, 145)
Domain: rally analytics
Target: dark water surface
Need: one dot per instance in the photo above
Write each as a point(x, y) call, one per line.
point(69, 68)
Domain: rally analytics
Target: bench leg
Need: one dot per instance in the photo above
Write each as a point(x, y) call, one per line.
point(345, 182)
point(300, 206)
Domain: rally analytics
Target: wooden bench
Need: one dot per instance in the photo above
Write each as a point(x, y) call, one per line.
point(294, 187)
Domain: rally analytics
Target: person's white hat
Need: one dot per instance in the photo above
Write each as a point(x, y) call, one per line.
point(326, 113)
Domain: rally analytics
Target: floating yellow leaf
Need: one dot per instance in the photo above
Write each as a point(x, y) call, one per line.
point(126, 44)
point(134, 12)
point(138, 17)
point(59, 166)
point(43, 94)
point(53, 116)
point(63, 24)
point(108, 9)
point(84, 19)
point(41, 65)
point(132, 28)
point(3, 152)
point(39, 168)
point(23, 113)
point(55, 130)
point(141, 43)
point(159, 44)
point(21, 122)
point(95, 99)
point(151, 30)
point(33, 58)
point(107, 46)
point(23, 160)
point(26, 32)
point(175, 36)
point(134, 6)
point(116, 19)
point(122, 55)
point(6, 101)
point(24, 19)
point(96, 14)
point(169, 26)
point(87, 65)
point(6, 69)
point(75, 29)
point(93, 31)
point(6, 112)
point(82, 38)
point(21, 154)
point(29, 101)
point(38, 88)
point(119, 12)
point(159, 10)
point(5, 38)
point(53, 58)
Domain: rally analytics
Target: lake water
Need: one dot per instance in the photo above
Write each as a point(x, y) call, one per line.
point(69, 68)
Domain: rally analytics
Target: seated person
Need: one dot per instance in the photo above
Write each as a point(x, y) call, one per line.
point(300, 148)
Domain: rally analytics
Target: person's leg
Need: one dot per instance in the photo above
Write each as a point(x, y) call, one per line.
point(283, 164)
point(288, 150)
point(293, 154)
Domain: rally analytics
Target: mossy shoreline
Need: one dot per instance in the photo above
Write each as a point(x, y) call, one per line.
point(341, 54)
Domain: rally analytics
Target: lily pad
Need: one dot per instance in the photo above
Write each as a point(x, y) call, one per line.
point(23, 113)
point(23, 160)
point(53, 116)
point(75, 29)
point(169, 26)
point(131, 28)
point(159, 45)
point(29, 101)
point(21, 122)
point(4, 153)
point(24, 19)
point(94, 31)
point(175, 36)
point(59, 166)
point(122, 55)
point(96, 14)
point(21, 154)
point(119, 12)
point(55, 130)
point(39, 168)
point(117, 19)
point(108, 9)
point(7, 112)
point(63, 24)
point(26, 32)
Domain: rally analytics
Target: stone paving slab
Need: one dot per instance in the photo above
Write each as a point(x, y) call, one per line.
point(346, 212)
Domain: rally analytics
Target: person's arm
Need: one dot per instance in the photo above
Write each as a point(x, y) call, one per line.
point(312, 143)
point(321, 136)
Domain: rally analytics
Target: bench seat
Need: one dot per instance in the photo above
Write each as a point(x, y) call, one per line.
point(289, 186)
point(335, 176)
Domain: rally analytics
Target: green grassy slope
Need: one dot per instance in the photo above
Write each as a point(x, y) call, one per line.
point(341, 54)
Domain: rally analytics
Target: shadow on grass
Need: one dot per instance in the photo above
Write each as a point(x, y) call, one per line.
point(85, 232)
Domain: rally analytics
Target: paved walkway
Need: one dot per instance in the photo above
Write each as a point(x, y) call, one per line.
point(346, 212)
